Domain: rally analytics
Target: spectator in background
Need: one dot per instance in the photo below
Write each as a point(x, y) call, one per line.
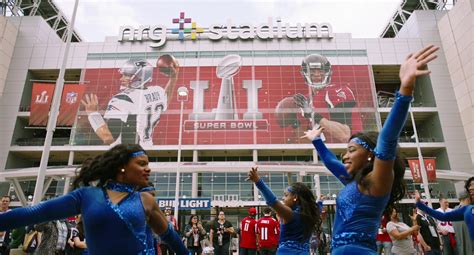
point(220, 235)
point(268, 231)
point(17, 237)
point(5, 235)
point(248, 234)
point(445, 229)
point(55, 235)
point(428, 237)
point(463, 240)
point(194, 233)
point(400, 233)
point(78, 239)
point(414, 235)
point(384, 242)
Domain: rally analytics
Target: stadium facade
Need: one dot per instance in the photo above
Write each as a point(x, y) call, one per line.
point(235, 120)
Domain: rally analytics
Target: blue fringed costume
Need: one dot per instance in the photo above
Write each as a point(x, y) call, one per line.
point(358, 215)
point(109, 228)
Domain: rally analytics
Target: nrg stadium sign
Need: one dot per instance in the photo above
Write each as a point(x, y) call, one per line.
point(265, 31)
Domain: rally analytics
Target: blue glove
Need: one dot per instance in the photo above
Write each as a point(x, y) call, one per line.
point(267, 193)
point(174, 241)
point(331, 162)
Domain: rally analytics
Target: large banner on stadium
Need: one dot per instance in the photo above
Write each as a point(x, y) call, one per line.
point(415, 168)
point(70, 102)
point(229, 103)
point(41, 98)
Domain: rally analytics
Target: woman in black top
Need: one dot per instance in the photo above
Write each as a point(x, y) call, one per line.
point(194, 233)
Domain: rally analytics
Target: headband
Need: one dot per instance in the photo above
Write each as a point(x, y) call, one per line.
point(137, 153)
point(362, 143)
point(290, 189)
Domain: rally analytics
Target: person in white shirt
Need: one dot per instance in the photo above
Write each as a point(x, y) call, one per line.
point(446, 230)
point(401, 233)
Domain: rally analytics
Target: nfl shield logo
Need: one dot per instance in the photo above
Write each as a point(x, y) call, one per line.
point(71, 97)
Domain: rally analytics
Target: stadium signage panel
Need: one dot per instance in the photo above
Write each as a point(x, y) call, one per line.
point(185, 203)
point(264, 31)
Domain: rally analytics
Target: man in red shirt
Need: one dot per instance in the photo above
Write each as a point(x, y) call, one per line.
point(248, 235)
point(268, 231)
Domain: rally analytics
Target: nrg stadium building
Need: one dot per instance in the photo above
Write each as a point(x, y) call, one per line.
point(242, 81)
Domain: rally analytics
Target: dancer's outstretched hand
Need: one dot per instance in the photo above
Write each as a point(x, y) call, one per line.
point(313, 133)
point(253, 175)
point(414, 66)
point(417, 196)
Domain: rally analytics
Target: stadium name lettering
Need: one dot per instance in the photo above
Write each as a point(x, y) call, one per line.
point(265, 31)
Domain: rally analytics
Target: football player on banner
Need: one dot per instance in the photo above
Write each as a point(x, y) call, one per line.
point(136, 109)
point(334, 102)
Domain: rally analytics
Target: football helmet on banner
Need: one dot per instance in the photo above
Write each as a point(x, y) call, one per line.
point(316, 71)
point(139, 71)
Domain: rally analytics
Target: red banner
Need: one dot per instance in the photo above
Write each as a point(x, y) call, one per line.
point(415, 168)
point(41, 98)
point(70, 102)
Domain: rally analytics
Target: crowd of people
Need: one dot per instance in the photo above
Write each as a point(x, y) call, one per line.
point(115, 211)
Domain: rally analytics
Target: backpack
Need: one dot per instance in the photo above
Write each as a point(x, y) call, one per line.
point(31, 242)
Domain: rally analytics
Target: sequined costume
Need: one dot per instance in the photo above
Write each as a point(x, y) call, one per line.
point(292, 240)
point(358, 215)
point(110, 228)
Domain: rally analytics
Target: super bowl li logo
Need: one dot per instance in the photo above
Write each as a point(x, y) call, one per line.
point(226, 116)
point(42, 98)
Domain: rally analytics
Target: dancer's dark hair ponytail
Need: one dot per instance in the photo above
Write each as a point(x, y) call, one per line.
point(105, 166)
point(310, 211)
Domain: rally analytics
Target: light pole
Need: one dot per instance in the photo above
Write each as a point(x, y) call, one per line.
point(53, 115)
point(424, 174)
point(182, 97)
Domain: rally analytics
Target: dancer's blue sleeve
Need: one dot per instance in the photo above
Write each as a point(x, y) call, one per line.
point(267, 193)
point(388, 139)
point(173, 240)
point(320, 206)
point(331, 162)
point(454, 215)
point(54, 209)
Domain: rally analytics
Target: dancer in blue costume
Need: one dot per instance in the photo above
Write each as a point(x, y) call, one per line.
point(298, 212)
point(114, 211)
point(371, 170)
point(465, 213)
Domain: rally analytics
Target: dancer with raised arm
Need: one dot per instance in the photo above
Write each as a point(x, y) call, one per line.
point(114, 211)
point(371, 170)
point(298, 212)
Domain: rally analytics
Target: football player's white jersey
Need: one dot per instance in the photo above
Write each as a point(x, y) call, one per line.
point(145, 105)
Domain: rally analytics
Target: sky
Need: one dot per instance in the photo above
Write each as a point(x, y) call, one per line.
point(97, 19)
